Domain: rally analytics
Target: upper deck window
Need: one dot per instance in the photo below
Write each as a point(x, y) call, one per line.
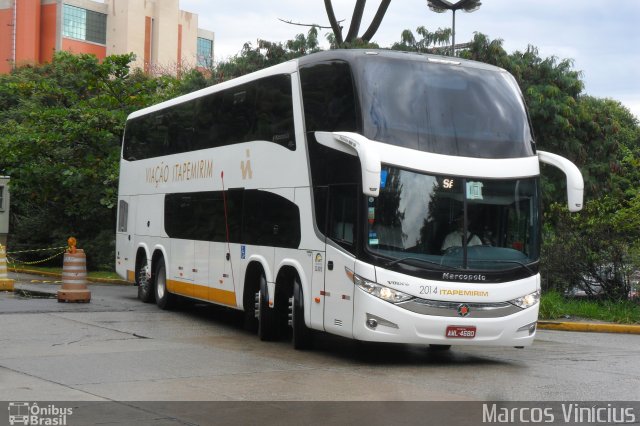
point(446, 109)
point(261, 110)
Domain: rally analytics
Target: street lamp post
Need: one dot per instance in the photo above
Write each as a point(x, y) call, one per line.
point(441, 6)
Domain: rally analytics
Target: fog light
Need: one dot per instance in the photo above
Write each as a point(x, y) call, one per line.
point(529, 327)
point(374, 321)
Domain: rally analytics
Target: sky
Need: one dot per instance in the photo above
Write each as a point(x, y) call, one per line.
point(602, 37)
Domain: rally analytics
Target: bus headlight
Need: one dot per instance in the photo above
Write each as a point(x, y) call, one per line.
point(384, 293)
point(527, 301)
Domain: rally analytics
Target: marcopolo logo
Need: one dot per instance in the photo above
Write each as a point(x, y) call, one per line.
point(27, 413)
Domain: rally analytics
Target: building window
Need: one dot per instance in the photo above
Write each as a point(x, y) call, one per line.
point(1, 197)
point(84, 24)
point(205, 52)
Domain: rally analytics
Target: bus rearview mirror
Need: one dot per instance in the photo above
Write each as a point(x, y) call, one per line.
point(364, 149)
point(575, 183)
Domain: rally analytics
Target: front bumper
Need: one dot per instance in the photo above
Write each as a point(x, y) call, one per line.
point(398, 325)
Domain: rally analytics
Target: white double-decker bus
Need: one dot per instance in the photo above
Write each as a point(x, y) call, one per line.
point(376, 195)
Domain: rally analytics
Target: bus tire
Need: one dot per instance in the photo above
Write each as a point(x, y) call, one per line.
point(267, 321)
point(250, 322)
point(164, 299)
point(302, 336)
point(144, 281)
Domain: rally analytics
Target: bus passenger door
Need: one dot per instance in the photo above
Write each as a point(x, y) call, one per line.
point(181, 267)
point(201, 269)
point(221, 281)
point(338, 286)
point(226, 214)
point(125, 241)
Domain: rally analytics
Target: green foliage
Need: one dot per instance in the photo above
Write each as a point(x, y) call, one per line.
point(266, 54)
point(428, 42)
point(592, 250)
point(554, 306)
point(60, 130)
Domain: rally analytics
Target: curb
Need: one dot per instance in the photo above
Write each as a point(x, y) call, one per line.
point(589, 327)
point(59, 275)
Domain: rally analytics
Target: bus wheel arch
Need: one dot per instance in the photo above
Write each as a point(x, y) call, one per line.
point(143, 277)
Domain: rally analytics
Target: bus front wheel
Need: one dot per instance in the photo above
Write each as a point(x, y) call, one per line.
point(302, 336)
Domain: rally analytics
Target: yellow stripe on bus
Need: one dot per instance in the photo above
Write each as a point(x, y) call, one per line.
point(201, 292)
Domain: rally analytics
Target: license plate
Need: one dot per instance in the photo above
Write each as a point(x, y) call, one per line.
point(460, 332)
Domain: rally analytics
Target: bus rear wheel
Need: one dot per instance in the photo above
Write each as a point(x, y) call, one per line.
point(143, 279)
point(302, 337)
point(267, 321)
point(164, 299)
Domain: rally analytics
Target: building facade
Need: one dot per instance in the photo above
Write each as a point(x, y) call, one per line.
point(163, 37)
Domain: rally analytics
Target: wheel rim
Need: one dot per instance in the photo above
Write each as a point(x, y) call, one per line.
point(161, 283)
point(263, 283)
point(257, 305)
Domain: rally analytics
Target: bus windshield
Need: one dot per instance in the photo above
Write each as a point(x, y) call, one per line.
point(441, 222)
point(445, 109)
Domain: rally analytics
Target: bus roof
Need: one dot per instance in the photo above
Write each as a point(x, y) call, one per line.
point(351, 55)
point(347, 55)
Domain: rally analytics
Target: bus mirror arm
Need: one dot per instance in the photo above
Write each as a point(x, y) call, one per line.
point(575, 183)
point(364, 149)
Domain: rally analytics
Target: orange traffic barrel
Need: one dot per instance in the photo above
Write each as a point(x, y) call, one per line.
point(74, 278)
point(6, 284)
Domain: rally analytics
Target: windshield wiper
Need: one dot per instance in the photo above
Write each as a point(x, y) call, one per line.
point(524, 265)
point(430, 262)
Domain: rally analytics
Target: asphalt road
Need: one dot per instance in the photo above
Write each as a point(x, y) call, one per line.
point(119, 349)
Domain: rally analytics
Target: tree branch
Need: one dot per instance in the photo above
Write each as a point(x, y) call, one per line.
point(337, 31)
point(306, 25)
point(356, 19)
point(377, 20)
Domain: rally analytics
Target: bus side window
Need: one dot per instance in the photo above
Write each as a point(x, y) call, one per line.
point(123, 214)
point(270, 220)
point(320, 199)
point(343, 215)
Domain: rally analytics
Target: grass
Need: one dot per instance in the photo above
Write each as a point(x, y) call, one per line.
point(555, 306)
point(58, 270)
